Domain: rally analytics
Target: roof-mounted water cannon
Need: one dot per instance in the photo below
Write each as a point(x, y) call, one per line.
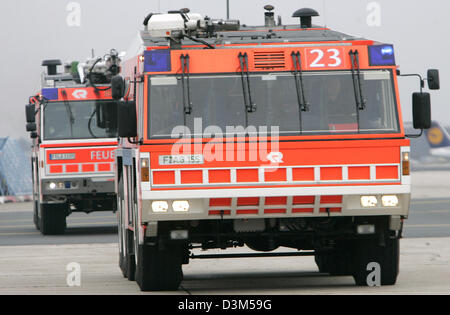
point(305, 16)
point(176, 25)
point(102, 69)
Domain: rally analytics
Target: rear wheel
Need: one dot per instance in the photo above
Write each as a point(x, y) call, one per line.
point(159, 269)
point(387, 256)
point(53, 219)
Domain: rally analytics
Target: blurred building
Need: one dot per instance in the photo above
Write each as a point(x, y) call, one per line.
point(15, 169)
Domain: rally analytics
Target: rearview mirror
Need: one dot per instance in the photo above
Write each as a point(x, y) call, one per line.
point(421, 111)
point(127, 124)
point(117, 87)
point(31, 127)
point(106, 114)
point(30, 111)
point(433, 79)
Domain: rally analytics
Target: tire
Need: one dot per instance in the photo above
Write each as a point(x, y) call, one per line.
point(53, 219)
point(159, 270)
point(122, 243)
point(387, 256)
point(131, 261)
point(322, 262)
point(36, 219)
point(336, 263)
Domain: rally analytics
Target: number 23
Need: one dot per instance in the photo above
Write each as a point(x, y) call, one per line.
point(334, 59)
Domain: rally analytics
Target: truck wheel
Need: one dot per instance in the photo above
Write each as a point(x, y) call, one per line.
point(322, 262)
point(122, 242)
point(337, 262)
point(36, 215)
point(131, 261)
point(159, 270)
point(53, 219)
point(370, 251)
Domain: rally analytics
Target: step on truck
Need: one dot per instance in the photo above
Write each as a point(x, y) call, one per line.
point(73, 124)
point(261, 136)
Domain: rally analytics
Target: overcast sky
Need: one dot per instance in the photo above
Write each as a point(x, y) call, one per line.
point(31, 31)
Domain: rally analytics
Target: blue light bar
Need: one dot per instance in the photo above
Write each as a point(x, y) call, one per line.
point(50, 94)
point(381, 55)
point(157, 61)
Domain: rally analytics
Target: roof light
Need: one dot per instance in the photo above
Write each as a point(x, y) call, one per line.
point(382, 55)
point(157, 61)
point(50, 94)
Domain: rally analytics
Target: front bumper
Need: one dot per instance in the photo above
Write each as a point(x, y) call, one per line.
point(276, 203)
point(77, 185)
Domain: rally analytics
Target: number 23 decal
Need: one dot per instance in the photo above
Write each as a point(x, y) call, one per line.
point(325, 58)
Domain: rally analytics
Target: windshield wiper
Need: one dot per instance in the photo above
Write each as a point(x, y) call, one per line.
point(69, 111)
point(250, 107)
point(357, 84)
point(187, 104)
point(303, 106)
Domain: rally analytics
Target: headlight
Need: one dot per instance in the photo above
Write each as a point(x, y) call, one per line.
point(52, 185)
point(160, 206)
point(369, 201)
point(389, 201)
point(180, 206)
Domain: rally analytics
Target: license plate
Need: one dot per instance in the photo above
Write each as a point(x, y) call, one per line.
point(181, 159)
point(62, 156)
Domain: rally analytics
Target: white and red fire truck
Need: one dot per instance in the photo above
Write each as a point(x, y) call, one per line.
point(267, 136)
point(73, 123)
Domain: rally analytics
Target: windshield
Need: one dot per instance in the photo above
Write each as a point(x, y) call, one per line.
point(80, 120)
point(219, 101)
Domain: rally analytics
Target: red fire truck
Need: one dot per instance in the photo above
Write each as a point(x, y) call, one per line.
point(267, 136)
point(73, 123)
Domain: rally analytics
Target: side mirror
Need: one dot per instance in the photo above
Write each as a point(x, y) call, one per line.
point(30, 113)
point(117, 87)
point(31, 127)
point(421, 111)
point(433, 79)
point(127, 124)
point(106, 114)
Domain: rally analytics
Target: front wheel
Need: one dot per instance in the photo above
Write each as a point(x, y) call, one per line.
point(369, 254)
point(53, 219)
point(159, 269)
point(36, 219)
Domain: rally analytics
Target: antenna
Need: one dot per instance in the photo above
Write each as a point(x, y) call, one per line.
point(228, 9)
point(325, 13)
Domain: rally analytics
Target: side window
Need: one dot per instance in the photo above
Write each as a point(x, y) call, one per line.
point(140, 103)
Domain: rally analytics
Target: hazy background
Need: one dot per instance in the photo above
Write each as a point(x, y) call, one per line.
point(31, 31)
